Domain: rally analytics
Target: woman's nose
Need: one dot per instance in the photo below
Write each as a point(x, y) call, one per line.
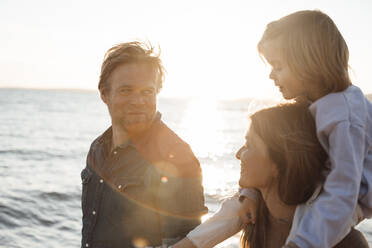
point(238, 153)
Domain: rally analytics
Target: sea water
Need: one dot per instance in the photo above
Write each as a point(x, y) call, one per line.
point(44, 139)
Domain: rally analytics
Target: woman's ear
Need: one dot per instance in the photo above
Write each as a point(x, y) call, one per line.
point(274, 171)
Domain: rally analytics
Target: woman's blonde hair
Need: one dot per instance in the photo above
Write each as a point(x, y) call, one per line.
point(313, 48)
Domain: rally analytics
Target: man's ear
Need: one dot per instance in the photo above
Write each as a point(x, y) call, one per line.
point(103, 94)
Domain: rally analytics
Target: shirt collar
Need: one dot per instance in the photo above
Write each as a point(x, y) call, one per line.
point(106, 138)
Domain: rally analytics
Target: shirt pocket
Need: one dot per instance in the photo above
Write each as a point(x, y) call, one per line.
point(124, 200)
point(127, 183)
point(86, 176)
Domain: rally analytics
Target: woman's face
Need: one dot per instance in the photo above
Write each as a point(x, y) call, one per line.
point(257, 169)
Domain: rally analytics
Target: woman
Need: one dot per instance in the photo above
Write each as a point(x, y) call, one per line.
point(284, 161)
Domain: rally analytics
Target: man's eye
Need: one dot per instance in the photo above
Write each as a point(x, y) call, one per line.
point(125, 91)
point(148, 92)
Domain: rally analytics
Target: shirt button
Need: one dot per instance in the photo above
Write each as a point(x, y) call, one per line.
point(86, 245)
point(94, 212)
point(115, 152)
point(101, 180)
point(119, 186)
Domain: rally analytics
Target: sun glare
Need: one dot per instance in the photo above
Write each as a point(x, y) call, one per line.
point(203, 124)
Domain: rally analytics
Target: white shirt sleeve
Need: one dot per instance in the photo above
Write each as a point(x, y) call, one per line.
point(330, 217)
point(222, 225)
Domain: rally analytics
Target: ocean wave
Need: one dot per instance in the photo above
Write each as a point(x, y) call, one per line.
point(36, 208)
point(33, 154)
point(11, 217)
point(57, 196)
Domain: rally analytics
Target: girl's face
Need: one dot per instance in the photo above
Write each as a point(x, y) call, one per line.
point(284, 79)
point(257, 169)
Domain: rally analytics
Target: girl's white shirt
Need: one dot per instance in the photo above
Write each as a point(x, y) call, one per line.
point(344, 128)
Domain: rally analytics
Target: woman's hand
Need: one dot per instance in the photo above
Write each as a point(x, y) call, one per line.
point(248, 210)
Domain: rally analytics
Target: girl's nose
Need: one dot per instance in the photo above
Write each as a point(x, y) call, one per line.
point(272, 75)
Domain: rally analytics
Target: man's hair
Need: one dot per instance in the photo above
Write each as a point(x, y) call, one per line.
point(289, 134)
point(313, 48)
point(128, 53)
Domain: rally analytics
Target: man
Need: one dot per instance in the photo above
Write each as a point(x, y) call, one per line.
point(142, 183)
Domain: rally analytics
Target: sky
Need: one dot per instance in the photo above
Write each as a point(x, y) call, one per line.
point(208, 47)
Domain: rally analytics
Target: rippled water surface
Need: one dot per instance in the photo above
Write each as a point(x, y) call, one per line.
point(45, 135)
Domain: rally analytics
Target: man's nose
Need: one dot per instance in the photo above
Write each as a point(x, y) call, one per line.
point(137, 99)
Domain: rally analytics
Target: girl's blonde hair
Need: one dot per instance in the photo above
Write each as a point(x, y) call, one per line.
point(313, 48)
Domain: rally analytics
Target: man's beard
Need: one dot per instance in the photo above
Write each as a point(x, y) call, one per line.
point(137, 123)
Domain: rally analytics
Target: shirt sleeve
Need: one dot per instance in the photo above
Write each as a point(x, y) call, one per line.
point(329, 219)
point(222, 225)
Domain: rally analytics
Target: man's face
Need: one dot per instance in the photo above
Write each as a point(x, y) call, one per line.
point(131, 97)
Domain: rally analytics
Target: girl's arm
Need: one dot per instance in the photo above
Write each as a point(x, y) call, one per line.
point(329, 219)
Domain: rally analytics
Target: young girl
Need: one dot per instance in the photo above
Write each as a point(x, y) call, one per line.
point(309, 60)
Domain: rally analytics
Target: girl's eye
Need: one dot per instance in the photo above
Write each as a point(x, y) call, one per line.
point(276, 66)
